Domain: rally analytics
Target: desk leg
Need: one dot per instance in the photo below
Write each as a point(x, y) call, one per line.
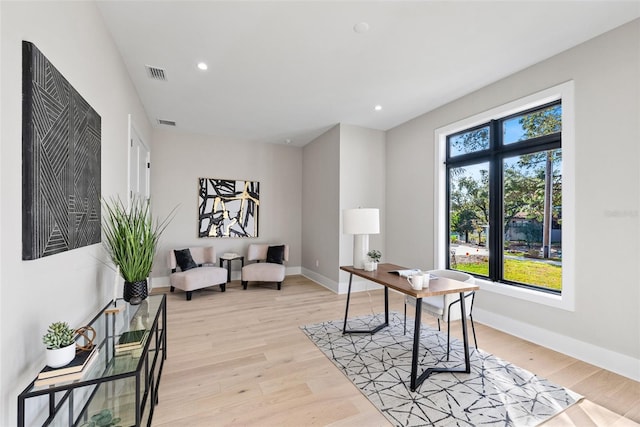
point(346, 311)
point(416, 345)
point(366, 331)
point(465, 335)
point(416, 341)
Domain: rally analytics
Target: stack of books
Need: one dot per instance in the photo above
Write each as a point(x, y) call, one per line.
point(230, 255)
point(131, 342)
point(70, 372)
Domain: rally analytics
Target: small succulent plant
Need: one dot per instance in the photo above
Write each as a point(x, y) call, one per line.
point(59, 335)
point(374, 255)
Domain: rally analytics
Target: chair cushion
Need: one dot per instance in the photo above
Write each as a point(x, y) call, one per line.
point(184, 259)
point(275, 254)
point(198, 278)
point(263, 272)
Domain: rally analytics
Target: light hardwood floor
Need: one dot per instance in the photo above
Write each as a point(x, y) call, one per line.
point(239, 358)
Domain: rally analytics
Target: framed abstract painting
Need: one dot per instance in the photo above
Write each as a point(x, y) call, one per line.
point(228, 208)
point(61, 137)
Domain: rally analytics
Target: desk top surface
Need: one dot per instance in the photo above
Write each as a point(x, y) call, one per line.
point(382, 276)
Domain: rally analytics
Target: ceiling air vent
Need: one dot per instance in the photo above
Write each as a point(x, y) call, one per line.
point(156, 73)
point(166, 122)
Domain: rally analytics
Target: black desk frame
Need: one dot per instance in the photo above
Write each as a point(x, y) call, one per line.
point(416, 379)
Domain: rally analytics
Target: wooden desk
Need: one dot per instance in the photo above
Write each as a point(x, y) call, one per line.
point(440, 286)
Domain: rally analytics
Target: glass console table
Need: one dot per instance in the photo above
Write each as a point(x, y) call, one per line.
point(123, 385)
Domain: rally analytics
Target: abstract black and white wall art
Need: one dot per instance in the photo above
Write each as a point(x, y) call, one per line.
point(60, 161)
point(228, 208)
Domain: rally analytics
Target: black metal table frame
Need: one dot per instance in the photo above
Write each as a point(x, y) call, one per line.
point(240, 257)
point(144, 368)
point(415, 379)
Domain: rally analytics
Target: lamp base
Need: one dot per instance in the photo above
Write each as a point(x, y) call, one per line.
point(360, 249)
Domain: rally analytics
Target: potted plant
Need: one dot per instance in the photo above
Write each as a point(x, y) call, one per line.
point(131, 239)
point(374, 257)
point(61, 344)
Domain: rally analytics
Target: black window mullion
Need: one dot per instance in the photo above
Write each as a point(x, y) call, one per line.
point(448, 213)
point(495, 203)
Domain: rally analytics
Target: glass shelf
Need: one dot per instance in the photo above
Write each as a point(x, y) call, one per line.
point(125, 385)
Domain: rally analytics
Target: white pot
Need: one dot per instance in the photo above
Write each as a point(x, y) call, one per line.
point(370, 266)
point(58, 357)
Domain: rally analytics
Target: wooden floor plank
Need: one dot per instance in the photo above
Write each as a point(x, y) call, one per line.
point(239, 358)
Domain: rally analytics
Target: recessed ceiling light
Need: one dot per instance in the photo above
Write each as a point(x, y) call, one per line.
point(202, 66)
point(378, 107)
point(361, 27)
point(287, 141)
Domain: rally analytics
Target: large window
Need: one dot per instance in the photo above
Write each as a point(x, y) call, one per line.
point(504, 199)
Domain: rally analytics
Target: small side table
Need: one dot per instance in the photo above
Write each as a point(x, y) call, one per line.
point(239, 257)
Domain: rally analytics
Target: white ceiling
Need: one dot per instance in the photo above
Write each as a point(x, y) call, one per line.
point(290, 70)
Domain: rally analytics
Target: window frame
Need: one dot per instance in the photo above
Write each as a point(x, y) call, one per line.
point(495, 154)
point(565, 93)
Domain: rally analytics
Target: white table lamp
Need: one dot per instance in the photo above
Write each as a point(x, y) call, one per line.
point(360, 223)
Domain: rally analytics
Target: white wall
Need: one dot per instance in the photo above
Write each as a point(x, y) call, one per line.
point(605, 326)
point(70, 286)
point(320, 208)
point(178, 159)
point(342, 169)
point(362, 184)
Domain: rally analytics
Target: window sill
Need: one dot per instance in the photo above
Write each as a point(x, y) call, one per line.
point(564, 301)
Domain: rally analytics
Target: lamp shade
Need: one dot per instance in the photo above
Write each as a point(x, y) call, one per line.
point(361, 221)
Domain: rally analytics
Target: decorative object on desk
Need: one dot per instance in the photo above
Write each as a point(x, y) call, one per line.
point(496, 392)
point(416, 281)
point(374, 258)
point(61, 344)
point(360, 223)
point(60, 161)
point(131, 240)
point(103, 418)
point(228, 208)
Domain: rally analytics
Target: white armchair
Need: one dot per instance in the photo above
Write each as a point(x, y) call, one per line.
point(446, 307)
point(200, 273)
point(271, 270)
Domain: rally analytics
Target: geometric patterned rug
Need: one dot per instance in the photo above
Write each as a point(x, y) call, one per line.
point(495, 393)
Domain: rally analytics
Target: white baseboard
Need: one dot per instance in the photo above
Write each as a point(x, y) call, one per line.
point(606, 359)
point(358, 285)
point(332, 285)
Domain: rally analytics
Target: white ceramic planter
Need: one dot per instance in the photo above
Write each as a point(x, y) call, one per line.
point(370, 266)
point(58, 357)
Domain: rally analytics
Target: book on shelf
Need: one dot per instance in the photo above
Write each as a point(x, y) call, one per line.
point(76, 365)
point(132, 338)
point(70, 376)
point(130, 341)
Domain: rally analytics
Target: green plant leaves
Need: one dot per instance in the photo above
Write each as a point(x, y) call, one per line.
point(131, 237)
